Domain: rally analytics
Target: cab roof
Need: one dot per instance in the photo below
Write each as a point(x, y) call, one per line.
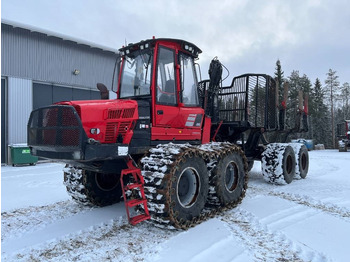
point(150, 43)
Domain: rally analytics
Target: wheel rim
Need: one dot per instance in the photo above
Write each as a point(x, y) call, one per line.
point(289, 164)
point(107, 182)
point(231, 177)
point(188, 187)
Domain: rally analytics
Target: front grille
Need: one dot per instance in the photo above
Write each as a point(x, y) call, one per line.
point(56, 126)
point(128, 113)
point(121, 113)
point(114, 129)
point(111, 132)
point(114, 114)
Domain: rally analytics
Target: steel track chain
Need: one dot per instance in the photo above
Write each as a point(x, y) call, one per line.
point(74, 182)
point(159, 167)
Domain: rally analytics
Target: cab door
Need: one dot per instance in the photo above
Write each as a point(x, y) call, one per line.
point(191, 114)
point(175, 113)
point(166, 105)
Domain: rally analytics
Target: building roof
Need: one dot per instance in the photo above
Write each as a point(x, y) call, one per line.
point(58, 35)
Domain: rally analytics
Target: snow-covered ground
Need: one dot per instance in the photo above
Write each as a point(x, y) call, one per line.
point(307, 220)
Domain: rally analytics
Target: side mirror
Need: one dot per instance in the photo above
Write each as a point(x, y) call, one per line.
point(103, 91)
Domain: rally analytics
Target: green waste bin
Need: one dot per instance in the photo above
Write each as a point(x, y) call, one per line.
point(20, 154)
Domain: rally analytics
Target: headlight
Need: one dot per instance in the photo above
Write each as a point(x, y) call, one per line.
point(95, 131)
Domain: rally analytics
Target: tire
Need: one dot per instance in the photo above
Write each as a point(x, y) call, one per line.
point(188, 189)
point(74, 182)
point(302, 160)
point(229, 176)
point(278, 163)
point(342, 145)
point(92, 188)
point(343, 149)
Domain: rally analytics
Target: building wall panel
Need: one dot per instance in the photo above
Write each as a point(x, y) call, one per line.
point(20, 99)
point(39, 57)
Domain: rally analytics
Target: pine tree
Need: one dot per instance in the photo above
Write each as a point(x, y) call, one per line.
point(345, 96)
point(296, 83)
point(332, 85)
point(279, 76)
point(318, 113)
point(294, 80)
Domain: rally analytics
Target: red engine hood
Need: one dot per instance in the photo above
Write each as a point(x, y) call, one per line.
point(93, 108)
point(112, 118)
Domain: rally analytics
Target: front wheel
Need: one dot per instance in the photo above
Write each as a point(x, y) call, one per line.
point(89, 187)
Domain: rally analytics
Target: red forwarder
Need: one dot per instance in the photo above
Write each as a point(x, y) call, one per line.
point(167, 139)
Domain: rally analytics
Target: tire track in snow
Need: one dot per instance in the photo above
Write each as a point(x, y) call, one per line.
point(30, 219)
point(66, 231)
point(331, 209)
point(112, 241)
point(264, 244)
point(26, 227)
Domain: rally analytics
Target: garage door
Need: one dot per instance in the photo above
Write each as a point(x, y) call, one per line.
point(45, 95)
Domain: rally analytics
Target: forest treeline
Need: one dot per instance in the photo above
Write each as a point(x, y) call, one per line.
point(328, 104)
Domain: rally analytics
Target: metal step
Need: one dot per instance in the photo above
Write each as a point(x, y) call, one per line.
point(136, 185)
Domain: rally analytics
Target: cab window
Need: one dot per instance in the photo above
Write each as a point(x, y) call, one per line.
point(166, 84)
point(189, 95)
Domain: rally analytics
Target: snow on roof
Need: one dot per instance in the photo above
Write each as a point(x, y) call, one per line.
point(58, 35)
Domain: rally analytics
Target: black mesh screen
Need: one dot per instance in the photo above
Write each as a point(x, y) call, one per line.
point(232, 101)
point(250, 98)
point(57, 126)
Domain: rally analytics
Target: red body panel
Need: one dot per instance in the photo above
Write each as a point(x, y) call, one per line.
point(206, 130)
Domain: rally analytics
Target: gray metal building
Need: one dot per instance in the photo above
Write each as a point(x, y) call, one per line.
point(39, 68)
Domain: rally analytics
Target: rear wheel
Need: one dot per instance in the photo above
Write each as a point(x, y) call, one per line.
point(88, 187)
point(278, 163)
point(343, 146)
point(302, 159)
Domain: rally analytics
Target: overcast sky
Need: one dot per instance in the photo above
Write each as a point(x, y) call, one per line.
point(247, 36)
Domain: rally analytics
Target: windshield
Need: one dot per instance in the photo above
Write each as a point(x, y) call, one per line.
point(136, 74)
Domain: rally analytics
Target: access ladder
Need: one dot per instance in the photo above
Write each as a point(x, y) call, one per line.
point(137, 183)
